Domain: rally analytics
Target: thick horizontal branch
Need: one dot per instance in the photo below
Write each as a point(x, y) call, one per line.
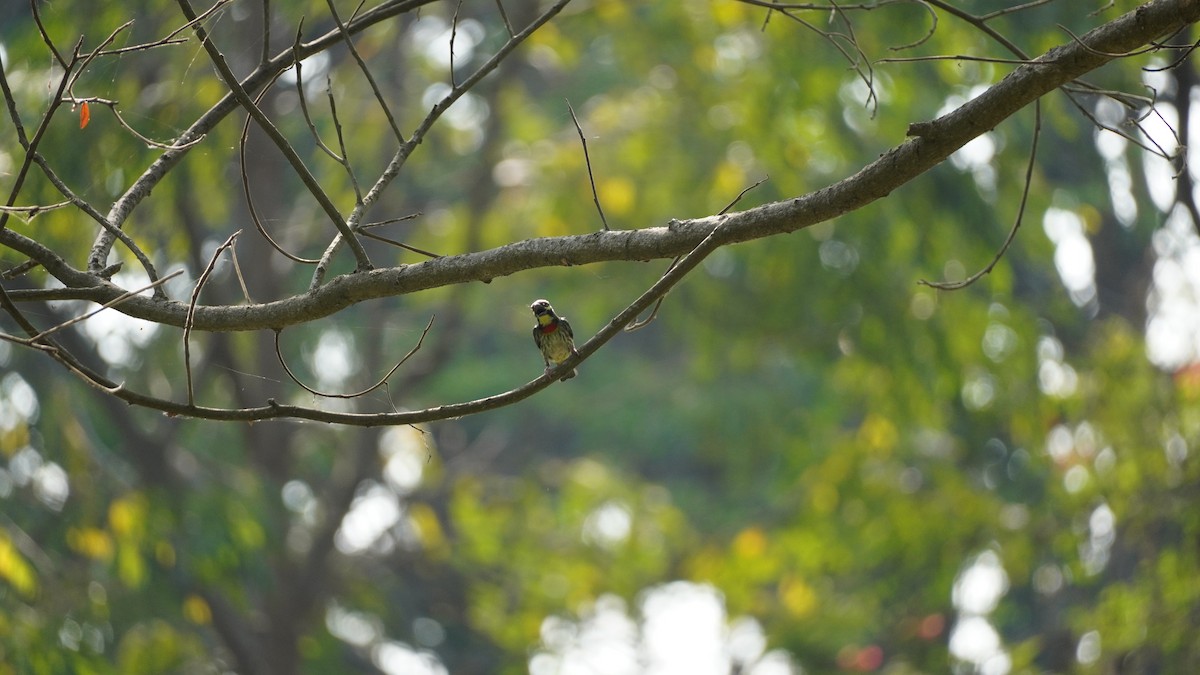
point(932, 143)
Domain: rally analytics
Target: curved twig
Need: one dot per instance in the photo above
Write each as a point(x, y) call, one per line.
point(380, 383)
point(300, 94)
point(249, 194)
point(362, 65)
point(32, 157)
point(639, 324)
point(310, 182)
point(275, 410)
point(187, 325)
point(164, 163)
point(1012, 233)
point(37, 18)
point(408, 146)
point(112, 105)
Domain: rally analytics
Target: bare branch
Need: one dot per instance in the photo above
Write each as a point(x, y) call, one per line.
point(642, 323)
point(31, 212)
point(382, 381)
point(112, 105)
point(389, 221)
point(407, 147)
point(95, 215)
point(187, 326)
point(504, 18)
point(399, 244)
point(37, 18)
point(691, 239)
point(894, 168)
point(300, 94)
point(310, 182)
point(274, 410)
point(14, 272)
point(159, 168)
point(249, 194)
point(741, 194)
point(266, 32)
point(453, 35)
point(1012, 233)
point(588, 160)
point(29, 144)
point(87, 60)
point(108, 305)
point(337, 126)
point(362, 65)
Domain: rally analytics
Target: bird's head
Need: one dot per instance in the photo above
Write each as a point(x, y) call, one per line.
point(543, 311)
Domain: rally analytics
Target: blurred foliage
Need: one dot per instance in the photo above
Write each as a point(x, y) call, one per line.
point(828, 444)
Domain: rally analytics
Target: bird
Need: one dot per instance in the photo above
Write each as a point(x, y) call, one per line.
point(553, 337)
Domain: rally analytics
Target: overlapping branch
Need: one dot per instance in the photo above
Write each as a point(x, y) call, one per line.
point(929, 144)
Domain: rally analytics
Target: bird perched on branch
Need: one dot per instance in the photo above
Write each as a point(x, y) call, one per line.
point(553, 336)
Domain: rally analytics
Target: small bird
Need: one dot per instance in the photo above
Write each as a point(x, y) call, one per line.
point(553, 336)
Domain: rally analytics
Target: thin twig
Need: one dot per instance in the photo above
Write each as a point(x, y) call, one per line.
point(1012, 233)
point(145, 46)
point(108, 305)
point(1150, 145)
point(1136, 52)
point(389, 221)
point(37, 18)
point(953, 57)
point(859, 62)
point(87, 60)
point(191, 314)
point(95, 215)
point(1013, 10)
point(402, 245)
point(408, 146)
point(504, 18)
point(337, 126)
point(203, 16)
point(310, 182)
point(380, 383)
point(250, 205)
point(112, 105)
point(642, 323)
point(453, 35)
point(933, 24)
point(30, 146)
point(741, 194)
point(237, 271)
point(266, 33)
point(1187, 51)
point(31, 212)
point(145, 183)
point(18, 270)
point(300, 93)
point(362, 66)
point(588, 160)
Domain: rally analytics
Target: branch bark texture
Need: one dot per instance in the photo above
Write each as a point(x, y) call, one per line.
point(931, 143)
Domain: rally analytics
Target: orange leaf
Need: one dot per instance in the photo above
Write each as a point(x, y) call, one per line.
point(85, 115)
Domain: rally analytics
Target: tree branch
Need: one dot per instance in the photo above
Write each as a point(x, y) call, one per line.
point(932, 143)
point(160, 167)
